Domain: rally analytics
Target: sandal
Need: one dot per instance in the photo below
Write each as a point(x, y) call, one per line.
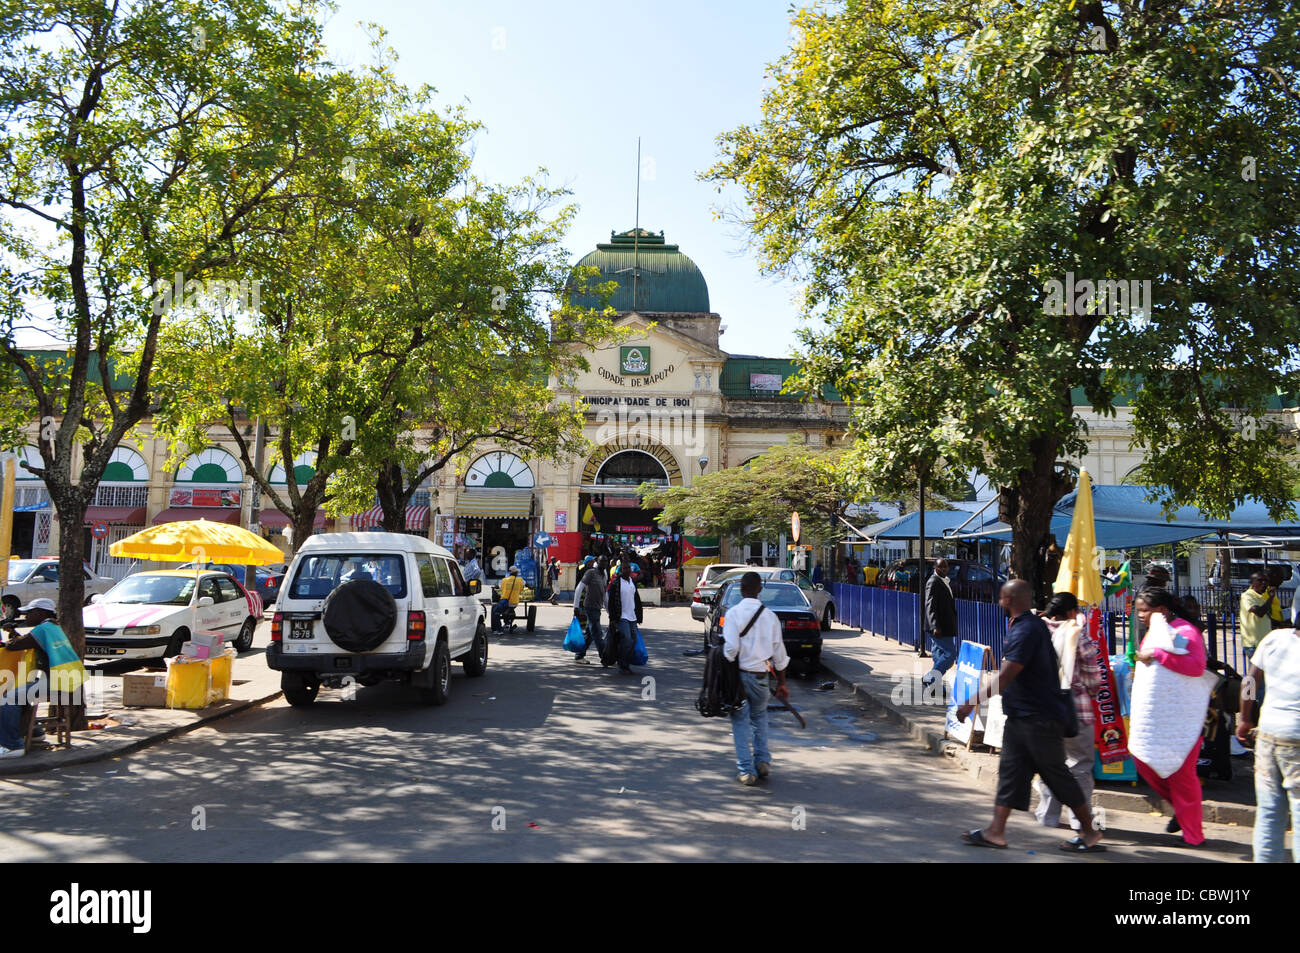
point(1076, 846)
point(976, 839)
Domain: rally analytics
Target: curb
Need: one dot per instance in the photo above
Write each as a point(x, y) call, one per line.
point(1218, 812)
point(148, 741)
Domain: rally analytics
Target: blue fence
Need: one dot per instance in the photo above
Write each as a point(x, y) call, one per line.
point(892, 614)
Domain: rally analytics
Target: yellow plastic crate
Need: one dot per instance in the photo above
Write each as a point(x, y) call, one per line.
point(20, 665)
point(222, 671)
point(188, 682)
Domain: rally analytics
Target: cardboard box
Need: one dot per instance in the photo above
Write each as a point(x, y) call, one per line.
point(144, 691)
point(194, 650)
point(211, 639)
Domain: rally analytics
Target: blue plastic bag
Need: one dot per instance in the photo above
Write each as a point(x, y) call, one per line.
point(575, 640)
point(639, 656)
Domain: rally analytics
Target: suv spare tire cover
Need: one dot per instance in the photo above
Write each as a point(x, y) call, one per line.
point(359, 615)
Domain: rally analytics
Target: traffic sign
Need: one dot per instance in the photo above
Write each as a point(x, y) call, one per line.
point(794, 525)
point(543, 540)
point(99, 530)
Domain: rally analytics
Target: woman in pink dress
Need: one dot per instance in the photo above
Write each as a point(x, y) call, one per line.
point(1168, 712)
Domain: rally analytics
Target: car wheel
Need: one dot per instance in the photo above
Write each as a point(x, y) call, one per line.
point(9, 608)
point(299, 690)
point(476, 661)
point(436, 689)
point(179, 638)
point(244, 641)
point(532, 618)
point(828, 616)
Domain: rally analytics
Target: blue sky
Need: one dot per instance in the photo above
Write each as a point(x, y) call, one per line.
point(569, 86)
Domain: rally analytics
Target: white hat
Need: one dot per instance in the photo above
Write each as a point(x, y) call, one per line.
point(46, 604)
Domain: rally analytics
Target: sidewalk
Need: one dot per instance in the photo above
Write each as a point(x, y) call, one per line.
point(128, 729)
point(888, 676)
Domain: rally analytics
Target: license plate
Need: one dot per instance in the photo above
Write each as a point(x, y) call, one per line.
point(105, 652)
point(301, 629)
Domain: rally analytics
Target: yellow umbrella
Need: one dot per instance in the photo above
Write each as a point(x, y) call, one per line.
point(1080, 572)
point(201, 540)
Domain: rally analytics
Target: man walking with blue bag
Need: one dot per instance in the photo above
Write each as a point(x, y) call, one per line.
point(588, 600)
point(625, 612)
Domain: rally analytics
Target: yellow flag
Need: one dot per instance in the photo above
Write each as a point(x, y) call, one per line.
point(7, 516)
point(1081, 565)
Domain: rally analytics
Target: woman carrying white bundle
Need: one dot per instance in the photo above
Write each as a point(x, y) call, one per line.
point(1168, 711)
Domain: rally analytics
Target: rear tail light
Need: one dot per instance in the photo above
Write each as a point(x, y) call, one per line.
point(695, 596)
point(415, 626)
point(803, 624)
point(270, 582)
point(277, 627)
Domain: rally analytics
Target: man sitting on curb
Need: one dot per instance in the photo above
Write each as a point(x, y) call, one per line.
point(63, 668)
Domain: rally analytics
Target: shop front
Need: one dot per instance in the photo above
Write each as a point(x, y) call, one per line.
point(495, 512)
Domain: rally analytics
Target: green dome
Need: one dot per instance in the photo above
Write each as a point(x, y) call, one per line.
point(665, 279)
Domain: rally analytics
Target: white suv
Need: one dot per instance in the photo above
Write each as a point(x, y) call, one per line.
point(357, 608)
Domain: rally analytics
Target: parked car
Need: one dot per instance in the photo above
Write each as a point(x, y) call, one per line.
point(707, 587)
point(149, 615)
point(39, 579)
point(269, 579)
point(375, 606)
point(970, 580)
point(800, 624)
point(817, 595)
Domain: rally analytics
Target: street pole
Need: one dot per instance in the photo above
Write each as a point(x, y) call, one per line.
point(255, 499)
point(920, 573)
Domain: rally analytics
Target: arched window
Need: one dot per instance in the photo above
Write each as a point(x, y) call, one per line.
point(499, 470)
point(631, 468)
point(210, 466)
point(304, 468)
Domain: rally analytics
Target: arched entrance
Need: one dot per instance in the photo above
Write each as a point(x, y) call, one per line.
point(612, 517)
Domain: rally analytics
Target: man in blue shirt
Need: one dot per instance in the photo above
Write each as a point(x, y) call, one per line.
point(63, 668)
point(1032, 741)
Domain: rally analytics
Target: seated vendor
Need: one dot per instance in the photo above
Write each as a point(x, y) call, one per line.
point(62, 665)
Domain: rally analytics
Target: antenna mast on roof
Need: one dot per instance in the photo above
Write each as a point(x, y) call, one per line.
point(636, 227)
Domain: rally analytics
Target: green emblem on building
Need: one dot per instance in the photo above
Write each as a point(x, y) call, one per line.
point(634, 360)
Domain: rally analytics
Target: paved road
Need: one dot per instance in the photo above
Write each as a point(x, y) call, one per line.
point(578, 762)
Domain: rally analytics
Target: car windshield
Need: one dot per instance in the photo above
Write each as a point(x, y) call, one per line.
point(20, 569)
point(319, 575)
point(154, 590)
point(774, 595)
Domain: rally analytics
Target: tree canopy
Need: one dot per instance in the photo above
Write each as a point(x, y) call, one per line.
point(955, 180)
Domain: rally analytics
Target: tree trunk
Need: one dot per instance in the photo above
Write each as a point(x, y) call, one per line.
point(393, 497)
point(1026, 506)
point(72, 580)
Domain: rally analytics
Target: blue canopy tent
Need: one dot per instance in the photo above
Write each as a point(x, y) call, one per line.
point(1126, 519)
point(937, 522)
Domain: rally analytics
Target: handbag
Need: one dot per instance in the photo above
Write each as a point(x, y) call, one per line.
point(575, 640)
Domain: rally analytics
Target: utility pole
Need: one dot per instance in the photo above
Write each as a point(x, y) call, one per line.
point(255, 499)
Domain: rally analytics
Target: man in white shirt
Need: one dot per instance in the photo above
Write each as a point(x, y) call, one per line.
point(1275, 662)
point(762, 643)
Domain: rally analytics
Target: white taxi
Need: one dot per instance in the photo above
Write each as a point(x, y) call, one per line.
point(149, 615)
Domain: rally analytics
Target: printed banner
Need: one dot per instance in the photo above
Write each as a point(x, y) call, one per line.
point(1108, 720)
point(972, 660)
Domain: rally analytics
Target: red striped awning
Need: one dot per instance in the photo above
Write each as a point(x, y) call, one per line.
point(274, 519)
point(215, 514)
point(417, 517)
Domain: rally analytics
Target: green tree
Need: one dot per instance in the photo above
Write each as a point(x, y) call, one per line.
point(141, 141)
point(408, 314)
point(939, 171)
point(754, 502)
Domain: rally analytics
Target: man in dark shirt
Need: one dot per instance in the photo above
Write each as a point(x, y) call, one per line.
point(940, 622)
point(1032, 742)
